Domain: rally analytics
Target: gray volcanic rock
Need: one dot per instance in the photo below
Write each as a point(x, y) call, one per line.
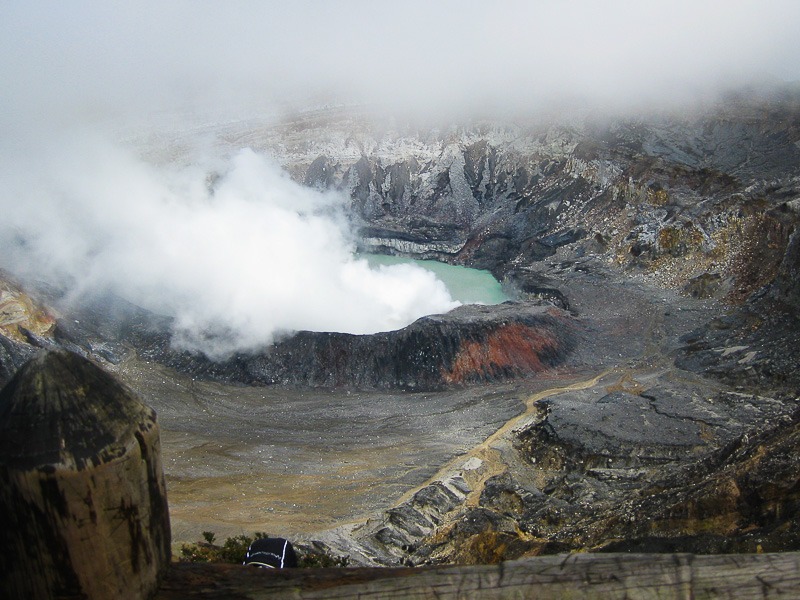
point(742, 498)
point(753, 349)
point(675, 194)
point(471, 344)
point(534, 286)
point(13, 355)
point(758, 344)
point(676, 465)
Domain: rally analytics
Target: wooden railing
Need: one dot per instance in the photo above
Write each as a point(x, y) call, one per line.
point(575, 576)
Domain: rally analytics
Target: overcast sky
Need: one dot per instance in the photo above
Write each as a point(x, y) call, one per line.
point(105, 57)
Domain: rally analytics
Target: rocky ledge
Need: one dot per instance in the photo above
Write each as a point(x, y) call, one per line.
point(471, 344)
point(624, 465)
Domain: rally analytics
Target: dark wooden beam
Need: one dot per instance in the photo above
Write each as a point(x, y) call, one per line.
point(576, 576)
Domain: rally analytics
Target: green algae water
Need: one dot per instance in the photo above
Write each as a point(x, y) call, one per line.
point(468, 286)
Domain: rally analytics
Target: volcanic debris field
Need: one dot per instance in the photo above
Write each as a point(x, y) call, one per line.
point(638, 393)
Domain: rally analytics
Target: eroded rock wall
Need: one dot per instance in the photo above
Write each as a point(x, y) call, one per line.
point(675, 196)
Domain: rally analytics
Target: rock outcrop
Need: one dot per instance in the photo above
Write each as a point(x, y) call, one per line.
point(757, 345)
point(25, 325)
point(471, 344)
point(672, 467)
point(468, 345)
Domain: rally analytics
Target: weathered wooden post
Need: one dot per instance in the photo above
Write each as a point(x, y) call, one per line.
point(83, 508)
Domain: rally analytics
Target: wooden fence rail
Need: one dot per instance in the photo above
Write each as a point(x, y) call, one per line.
point(575, 576)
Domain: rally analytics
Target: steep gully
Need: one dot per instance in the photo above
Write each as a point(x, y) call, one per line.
point(485, 452)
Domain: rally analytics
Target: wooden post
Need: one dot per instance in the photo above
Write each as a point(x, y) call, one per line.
point(83, 508)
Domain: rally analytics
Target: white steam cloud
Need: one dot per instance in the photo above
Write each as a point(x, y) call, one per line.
point(236, 251)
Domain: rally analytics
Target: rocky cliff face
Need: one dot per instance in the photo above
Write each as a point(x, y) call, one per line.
point(472, 344)
point(582, 490)
point(690, 198)
point(764, 331)
point(705, 202)
point(23, 321)
point(467, 346)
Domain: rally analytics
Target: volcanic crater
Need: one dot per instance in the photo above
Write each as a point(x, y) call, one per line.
point(646, 364)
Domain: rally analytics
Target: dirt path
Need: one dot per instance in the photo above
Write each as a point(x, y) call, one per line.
point(491, 462)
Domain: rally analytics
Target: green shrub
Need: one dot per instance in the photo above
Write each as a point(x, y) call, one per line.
point(308, 559)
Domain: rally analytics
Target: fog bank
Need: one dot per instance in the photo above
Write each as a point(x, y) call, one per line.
point(119, 60)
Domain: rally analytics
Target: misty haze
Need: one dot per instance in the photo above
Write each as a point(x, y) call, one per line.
point(422, 283)
point(115, 178)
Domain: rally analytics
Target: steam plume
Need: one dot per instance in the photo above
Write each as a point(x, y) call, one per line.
point(235, 250)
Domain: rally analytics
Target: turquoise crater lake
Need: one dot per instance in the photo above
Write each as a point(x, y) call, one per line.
point(468, 286)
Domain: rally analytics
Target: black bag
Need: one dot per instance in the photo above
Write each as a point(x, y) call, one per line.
point(271, 553)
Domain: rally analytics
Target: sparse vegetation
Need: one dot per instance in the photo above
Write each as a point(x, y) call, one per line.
point(311, 559)
point(233, 551)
